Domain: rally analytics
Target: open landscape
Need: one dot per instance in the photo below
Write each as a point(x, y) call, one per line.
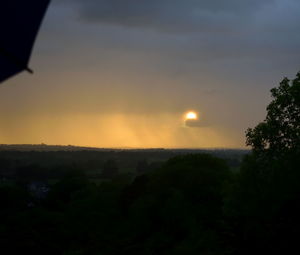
point(53, 162)
point(150, 127)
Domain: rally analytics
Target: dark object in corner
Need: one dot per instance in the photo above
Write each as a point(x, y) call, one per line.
point(19, 25)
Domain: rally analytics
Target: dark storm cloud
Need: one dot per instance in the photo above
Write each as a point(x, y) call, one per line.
point(206, 29)
point(168, 15)
point(194, 123)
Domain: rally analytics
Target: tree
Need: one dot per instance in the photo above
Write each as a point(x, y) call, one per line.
point(279, 133)
point(264, 205)
point(110, 169)
point(142, 166)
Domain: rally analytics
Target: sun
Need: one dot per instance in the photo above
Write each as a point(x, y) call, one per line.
point(191, 116)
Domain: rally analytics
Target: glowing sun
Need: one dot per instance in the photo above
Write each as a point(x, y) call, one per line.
point(191, 116)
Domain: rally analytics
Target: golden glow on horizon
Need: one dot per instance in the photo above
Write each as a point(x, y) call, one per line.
point(191, 116)
point(112, 130)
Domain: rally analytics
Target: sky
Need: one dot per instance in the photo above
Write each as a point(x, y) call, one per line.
point(122, 73)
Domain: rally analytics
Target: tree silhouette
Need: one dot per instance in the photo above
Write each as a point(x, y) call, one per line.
point(110, 169)
point(280, 131)
point(142, 166)
point(265, 203)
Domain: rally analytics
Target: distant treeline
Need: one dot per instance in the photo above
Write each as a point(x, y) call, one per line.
point(96, 164)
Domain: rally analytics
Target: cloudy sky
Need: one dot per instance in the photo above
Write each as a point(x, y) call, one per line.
point(122, 73)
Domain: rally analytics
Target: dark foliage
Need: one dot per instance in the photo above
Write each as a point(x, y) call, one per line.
point(175, 209)
point(265, 200)
point(280, 132)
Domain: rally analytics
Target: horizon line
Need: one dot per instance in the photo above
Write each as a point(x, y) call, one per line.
point(127, 147)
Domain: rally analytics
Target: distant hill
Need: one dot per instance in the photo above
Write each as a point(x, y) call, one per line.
point(45, 147)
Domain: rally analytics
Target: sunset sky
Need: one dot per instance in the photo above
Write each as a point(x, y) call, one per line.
point(123, 73)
